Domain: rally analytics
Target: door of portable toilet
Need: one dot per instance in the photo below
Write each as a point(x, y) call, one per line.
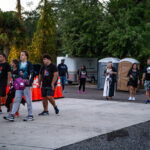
point(102, 64)
point(123, 69)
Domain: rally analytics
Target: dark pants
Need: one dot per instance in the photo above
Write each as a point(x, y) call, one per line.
point(82, 83)
point(10, 97)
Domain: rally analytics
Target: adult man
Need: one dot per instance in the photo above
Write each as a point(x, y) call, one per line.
point(146, 77)
point(25, 71)
point(48, 77)
point(4, 77)
point(63, 71)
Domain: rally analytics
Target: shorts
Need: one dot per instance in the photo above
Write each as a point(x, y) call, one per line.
point(47, 91)
point(3, 91)
point(147, 85)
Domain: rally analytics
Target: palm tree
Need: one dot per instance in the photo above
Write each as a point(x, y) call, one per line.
point(19, 8)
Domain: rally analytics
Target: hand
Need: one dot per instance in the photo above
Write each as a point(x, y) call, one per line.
point(138, 82)
point(53, 87)
point(8, 84)
point(131, 76)
point(39, 86)
point(111, 72)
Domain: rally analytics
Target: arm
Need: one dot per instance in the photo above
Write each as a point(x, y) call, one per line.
point(143, 78)
point(8, 80)
point(54, 80)
point(40, 80)
point(67, 72)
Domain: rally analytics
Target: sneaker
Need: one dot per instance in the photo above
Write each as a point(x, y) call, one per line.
point(16, 114)
point(147, 101)
point(133, 98)
point(28, 118)
point(1, 111)
point(56, 110)
point(79, 91)
point(130, 98)
point(84, 92)
point(44, 113)
point(10, 117)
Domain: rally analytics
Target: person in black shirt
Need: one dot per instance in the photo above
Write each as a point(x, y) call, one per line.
point(48, 77)
point(4, 77)
point(146, 78)
point(82, 73)
point(63, 71)
point(133, 82)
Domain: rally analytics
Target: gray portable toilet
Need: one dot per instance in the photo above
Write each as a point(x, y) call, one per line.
point(102, 64)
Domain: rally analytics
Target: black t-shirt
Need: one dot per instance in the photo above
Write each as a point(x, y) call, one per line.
point(47, 73)
point(4, 69)
point(135, 74)
point(82, 74)
point(147, 73)
point(62, 68)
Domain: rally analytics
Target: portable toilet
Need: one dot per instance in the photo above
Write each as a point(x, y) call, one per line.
point(102, 64)
point(123, 69)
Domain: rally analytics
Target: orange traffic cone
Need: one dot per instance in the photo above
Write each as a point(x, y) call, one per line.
point(58, 92)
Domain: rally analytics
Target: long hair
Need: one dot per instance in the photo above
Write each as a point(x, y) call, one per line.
point(16, 62)
point(84, 67)
point(136, 66)
point(109, 63)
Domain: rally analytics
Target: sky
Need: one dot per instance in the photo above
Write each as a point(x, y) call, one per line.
point(10, 5)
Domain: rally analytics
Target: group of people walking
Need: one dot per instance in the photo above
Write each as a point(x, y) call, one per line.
point(22, 75)
point(133, 81)
point(19, 77)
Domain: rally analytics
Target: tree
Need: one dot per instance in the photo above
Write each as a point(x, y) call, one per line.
point(78, 25)
point(30, 20)
point(125, 29)
point(11, 31)
point(44, 37)
point(19, 8)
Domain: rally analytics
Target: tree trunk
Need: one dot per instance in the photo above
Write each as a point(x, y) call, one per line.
point(19, 8)
point(6, 50)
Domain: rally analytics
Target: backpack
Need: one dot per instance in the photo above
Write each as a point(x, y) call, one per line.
point(19, 84)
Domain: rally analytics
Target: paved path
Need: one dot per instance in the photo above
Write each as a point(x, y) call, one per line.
point(78, 120)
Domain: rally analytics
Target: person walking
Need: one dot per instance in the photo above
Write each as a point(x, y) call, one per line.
point(134, 81)
point(63, 72)
point(5, 73)
point(110, 79)
point(11, 93)
point(146, 80)
point(47, 81)
point(82, 75)
point(25, 71)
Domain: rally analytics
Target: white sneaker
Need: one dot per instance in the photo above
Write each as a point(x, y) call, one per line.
point(130, 98)
point(133, 98)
